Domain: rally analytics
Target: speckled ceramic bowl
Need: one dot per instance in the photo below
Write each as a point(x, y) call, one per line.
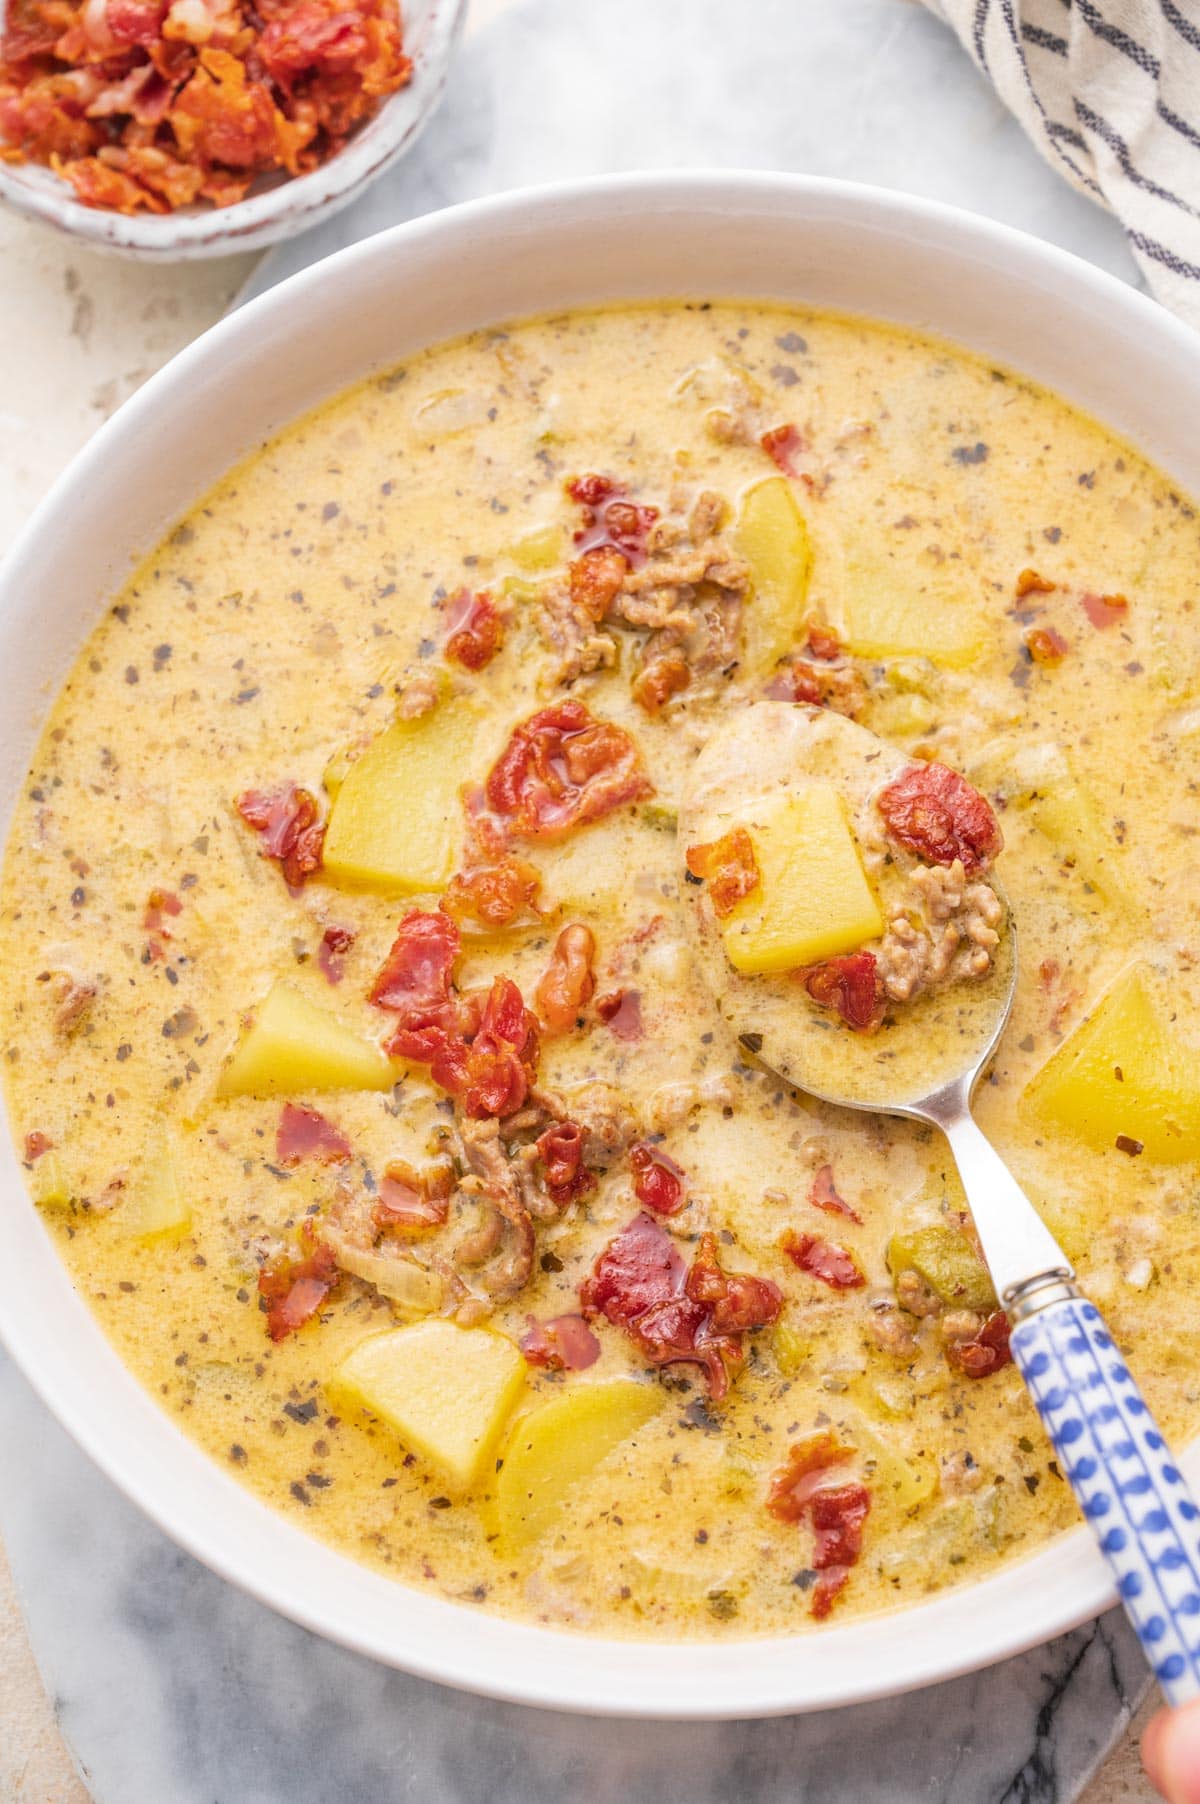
point(829, 244)
point(275, 211)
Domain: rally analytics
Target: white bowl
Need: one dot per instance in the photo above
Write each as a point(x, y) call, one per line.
point(270, 212)
point(1059, 320)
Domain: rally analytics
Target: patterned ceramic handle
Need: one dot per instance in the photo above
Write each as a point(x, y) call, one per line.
point(1121, 1471)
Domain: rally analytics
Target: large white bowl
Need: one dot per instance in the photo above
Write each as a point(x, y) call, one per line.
point(836, 245)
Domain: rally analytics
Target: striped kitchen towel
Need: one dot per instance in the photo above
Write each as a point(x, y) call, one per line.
point(1109, 91)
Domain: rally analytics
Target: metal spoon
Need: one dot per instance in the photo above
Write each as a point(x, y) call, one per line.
point(1110, 1450)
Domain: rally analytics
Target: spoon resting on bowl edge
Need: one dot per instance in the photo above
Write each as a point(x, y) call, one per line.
point(844, 915)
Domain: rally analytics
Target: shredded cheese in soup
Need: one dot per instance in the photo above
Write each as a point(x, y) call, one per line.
point(357, 1047)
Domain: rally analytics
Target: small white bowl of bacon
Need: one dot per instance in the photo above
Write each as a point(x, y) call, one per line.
point(174, 129)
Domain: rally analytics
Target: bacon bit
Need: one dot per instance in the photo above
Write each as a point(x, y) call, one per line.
point(162, 902)
point(564, 1344)
point(286, 821)
point(1046, 645)
point(783, 445)
point(657, 1180)
point(294, 1289)
point(476, 629)
point(496, 895)
point(837, 1512)
point(824, 643)
point(565, 1175)
point(567, 985)
point(414, 981)
point(660, 679)
point(938, 815)
point(334, 941)
point(823, 1195)
point(729, 867)
point(823, 1259)
point(849, 984)
point(1049, 971)
point(306, 1134)
point(595, 580)
point(1030, 583)
point(609, 520)
point(1105, 610)
point(986, 1352)
point(144, 105)
point(694, 1317)
point(621, 1013)
point(562, 769)
point(411, 1201)
point(36, 1143)
point(491, 1069)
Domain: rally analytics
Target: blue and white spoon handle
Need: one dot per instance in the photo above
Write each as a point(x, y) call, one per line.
point(1121, 1470)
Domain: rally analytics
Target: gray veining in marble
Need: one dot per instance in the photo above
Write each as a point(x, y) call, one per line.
point(172, 1687)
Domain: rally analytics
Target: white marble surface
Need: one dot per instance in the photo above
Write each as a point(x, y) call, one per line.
point(172, 1688)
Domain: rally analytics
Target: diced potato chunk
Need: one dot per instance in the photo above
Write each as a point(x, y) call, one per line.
point(944, 1259)
point(157, 1207)
point(292, 1046)
point(1067, 814)
point(538, 551)
point(446, 1391)
point(894, 1478)
point(813, 899)
point(397, 821)
point(898, 601)
point(1124, 1072)
point(772, 535)
point(559, 1445)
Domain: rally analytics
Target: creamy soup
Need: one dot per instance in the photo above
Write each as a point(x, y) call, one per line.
point(356, 1043)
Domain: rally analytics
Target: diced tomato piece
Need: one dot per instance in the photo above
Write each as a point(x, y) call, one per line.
point(783, 445)
point(729, 867)
point(568, 983)
point(1105, 610)
point(849, 985)
point(837, 1512)
point(307, 1134)
point(561, 769)
point(657, 1180)
point(937, 814)
point(294, 1289)
point(823, 1259)
point(334, 942)
point(986, 1352)
point(476, 629)
point(621, 1013)
point(824, 1195)
point(563, 1344)
point(802, 1474)
point(286, 821)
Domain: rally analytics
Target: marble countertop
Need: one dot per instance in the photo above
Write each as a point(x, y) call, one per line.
point(171, 1688)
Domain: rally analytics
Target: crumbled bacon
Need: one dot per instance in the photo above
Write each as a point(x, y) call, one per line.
point(36, 1143)
point(161, 903)
point(563, 1344)
point(783, 444)
point(609, 519)
point(409, 1201)
point(567, 984)
point(145, 104)
point(476, 629)
point(287, 822)
point(1105, 610)
point(414, 984)
point(494, 894)
point(821, 676)
point(621, 1013)
point(1046, 645)
point(848, 984)
point(657, 1180)
point(294, 1289)
point(1030, 583)
point(986, 1351)
point(837, 1512)
point(823, 642)
point(823, 1259)
point(307, 1134)
point(937, 814)
point(824, 1195)
point(334, 942)
point(729, 867)
point(675, 1315)
point(560, 1149)
point(595, 580)
point(561, 769)
point(659, 679)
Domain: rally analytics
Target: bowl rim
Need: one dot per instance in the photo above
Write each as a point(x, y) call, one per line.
point(277, 212)
point(148, 1457)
